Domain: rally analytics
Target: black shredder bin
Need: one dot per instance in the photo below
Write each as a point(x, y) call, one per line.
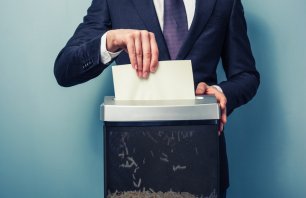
point(161, 148)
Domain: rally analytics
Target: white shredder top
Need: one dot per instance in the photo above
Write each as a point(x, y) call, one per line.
point(201, 108)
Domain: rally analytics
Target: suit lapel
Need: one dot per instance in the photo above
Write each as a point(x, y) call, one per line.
point(202, 13)
point(147, 13)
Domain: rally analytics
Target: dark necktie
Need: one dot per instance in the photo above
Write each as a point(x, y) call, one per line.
point(175, 25)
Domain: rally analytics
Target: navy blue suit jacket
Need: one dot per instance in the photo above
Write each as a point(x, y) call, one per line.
point(218, 31)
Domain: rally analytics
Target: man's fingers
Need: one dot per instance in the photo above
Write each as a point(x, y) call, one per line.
point(154, 53)
point(222, 102)
point(130, 44)
point(223, 118)
point(146, 51)
point(140, 45)
point(138, 50)
point(201, 88)
point(221, 99)
point(220, 129)
point(223, 113)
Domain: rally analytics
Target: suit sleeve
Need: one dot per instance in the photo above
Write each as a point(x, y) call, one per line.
point(239, 65)
point(79, 61)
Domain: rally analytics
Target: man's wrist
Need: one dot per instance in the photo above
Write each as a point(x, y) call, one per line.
point(218, 88)
point(106, 56)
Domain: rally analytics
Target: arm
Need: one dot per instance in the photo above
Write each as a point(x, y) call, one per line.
point(238, 62)
point(239, 66)
point(79, 61)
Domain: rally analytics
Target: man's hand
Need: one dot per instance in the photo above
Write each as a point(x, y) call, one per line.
point(203, 88)
point(139, 44)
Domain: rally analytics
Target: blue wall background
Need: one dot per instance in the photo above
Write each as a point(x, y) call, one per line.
point(50, 137)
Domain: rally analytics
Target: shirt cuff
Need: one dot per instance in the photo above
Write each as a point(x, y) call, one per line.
point(218, 88)
point(106, 56)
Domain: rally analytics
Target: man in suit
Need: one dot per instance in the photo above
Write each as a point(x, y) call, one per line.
point(143, 32)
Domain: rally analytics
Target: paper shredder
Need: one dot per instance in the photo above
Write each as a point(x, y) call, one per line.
point(161, 146)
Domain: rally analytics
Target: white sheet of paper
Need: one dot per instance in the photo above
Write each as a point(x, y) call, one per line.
point(173, 80)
